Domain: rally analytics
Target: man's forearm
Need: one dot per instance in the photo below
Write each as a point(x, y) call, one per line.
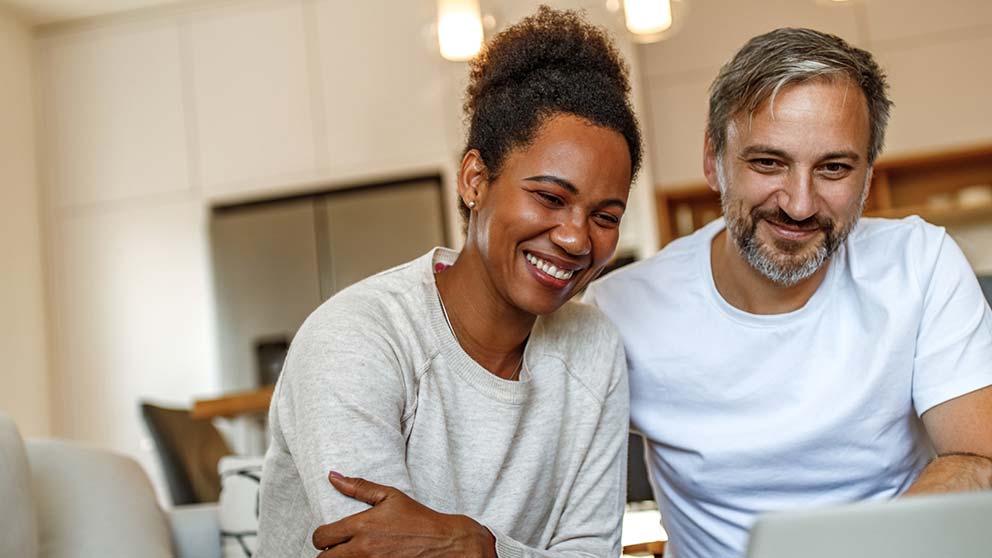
point(954, 472)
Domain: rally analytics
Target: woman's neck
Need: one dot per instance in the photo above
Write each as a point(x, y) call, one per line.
point(488, 328)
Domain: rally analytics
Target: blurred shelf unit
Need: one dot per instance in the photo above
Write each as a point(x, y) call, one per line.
point(944, 187)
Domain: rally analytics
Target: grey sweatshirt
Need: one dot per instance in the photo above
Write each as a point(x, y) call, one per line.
point(376, 386)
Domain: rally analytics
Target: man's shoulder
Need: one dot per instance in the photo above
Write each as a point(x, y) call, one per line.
point(910, 232)
point(677, 262)
point(910, 242)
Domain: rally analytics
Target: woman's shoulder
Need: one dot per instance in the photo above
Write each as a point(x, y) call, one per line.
point(382, 311)
point(576, 318)
point(581, 336)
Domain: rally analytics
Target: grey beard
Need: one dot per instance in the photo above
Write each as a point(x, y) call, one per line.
point(784, 276)
point(762, 259)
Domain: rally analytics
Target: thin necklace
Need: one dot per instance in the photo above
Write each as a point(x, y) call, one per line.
point(520, 361)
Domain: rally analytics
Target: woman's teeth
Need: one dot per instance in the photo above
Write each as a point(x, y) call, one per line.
point(551, 270)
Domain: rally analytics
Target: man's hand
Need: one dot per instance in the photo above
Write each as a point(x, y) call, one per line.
point(398, 526)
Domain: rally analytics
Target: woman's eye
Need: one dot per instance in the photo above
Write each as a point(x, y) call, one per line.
point(607, 219)
point(550, 199)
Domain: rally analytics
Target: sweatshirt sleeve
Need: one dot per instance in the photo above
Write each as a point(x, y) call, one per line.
point(590, 525)
point(339, 405)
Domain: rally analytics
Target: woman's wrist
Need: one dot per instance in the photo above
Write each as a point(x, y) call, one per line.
point(480, 541)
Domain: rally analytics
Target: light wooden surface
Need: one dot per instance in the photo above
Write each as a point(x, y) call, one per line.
point(656, 548)
point(235, 404)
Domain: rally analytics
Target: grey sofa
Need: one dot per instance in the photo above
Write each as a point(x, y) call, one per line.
point(64, 499)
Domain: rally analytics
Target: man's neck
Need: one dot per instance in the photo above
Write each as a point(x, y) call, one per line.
point(745, 288)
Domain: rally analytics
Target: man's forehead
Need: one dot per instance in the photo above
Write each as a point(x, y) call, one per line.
point(836, 107)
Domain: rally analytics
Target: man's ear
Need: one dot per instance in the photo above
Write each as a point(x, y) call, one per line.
point(710, 161)
point(473, 179)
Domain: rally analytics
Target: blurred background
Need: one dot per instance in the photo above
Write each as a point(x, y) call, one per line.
point(182, 182)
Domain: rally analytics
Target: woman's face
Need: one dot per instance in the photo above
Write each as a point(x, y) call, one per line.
point(549, 223)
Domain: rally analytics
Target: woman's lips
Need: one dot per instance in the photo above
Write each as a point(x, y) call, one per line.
point(549, 274)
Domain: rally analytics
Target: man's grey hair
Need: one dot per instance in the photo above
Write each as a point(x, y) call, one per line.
point(771, 61)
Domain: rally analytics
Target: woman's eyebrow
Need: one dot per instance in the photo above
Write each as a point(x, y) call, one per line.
point(572, 189)
point(557, 180)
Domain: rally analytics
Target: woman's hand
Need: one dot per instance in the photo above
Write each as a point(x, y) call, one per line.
point(398, 526)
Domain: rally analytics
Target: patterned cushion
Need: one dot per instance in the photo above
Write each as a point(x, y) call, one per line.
point(240, 478)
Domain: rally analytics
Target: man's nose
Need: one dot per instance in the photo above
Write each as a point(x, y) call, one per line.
point(798, 198)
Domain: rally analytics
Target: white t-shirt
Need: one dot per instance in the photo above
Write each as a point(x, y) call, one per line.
point(747, 413)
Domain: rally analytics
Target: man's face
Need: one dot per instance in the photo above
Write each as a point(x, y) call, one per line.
point(794, 177)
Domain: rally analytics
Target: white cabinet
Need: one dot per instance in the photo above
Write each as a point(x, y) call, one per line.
point(381, 85)
point(251, 87)
point(115, 115)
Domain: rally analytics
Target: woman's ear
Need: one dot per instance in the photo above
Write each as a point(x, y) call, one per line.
point(473, 179)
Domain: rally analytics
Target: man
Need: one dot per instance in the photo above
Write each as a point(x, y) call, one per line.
point(790, 355)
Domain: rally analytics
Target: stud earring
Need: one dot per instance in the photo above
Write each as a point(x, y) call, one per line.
point(471, 205)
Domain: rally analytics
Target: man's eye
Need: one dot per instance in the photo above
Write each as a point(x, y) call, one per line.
point(765, 164)
point(836, 169)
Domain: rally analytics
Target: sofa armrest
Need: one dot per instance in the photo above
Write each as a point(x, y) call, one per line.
point(195, 531)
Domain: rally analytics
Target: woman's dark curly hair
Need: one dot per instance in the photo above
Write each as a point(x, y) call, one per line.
point(553, 62)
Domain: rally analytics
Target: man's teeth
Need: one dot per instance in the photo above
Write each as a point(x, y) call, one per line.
point(550, 269)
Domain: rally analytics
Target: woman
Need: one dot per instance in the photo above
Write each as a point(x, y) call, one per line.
point(479, 414)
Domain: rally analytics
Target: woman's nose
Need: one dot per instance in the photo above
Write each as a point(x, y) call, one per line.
point(572, 235)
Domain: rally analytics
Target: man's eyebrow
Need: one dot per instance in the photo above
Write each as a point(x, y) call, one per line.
point(768, 150)
point(846, 154)
point(763, 150)
point(572, 189)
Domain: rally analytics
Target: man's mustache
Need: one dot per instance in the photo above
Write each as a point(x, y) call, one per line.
point(779, 216)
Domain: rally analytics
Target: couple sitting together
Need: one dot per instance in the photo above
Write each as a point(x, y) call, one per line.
point(784, 356)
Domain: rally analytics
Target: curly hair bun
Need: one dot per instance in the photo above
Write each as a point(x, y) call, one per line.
point(547, 40)
point(553, 62)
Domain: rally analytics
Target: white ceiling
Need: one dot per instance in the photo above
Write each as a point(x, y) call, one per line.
point(41, 12)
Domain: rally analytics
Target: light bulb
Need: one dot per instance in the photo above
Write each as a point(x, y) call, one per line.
point(459, 29)
point(647, 17)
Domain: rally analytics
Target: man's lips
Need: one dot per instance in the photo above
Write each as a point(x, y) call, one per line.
point(792, 232)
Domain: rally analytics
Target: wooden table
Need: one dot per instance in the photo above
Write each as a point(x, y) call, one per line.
point(235, 404)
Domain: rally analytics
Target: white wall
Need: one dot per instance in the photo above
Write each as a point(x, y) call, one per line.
point(935, 54)
point(24, 372)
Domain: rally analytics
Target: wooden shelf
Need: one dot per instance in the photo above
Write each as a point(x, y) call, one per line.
point(936, 214)
point(928, 184)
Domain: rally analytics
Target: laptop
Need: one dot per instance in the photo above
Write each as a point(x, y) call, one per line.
point(931, 526)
